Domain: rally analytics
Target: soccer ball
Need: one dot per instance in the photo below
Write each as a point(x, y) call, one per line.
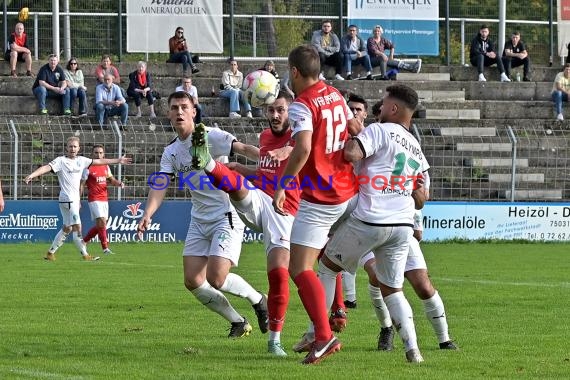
point(23, 14)
point(261, 88)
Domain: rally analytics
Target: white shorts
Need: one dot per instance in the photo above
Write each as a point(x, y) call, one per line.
point(70, 213)
point(314, 222)
point(354, 239)
point(215, 239)
point(415, 259)
point(99, 209)
point(418, 221)
point(258, 214)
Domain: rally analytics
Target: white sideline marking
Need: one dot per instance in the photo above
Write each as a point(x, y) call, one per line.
point(41, 374)
point(491, 282)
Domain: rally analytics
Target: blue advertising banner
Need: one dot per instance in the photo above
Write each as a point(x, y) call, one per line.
point(39, 221)
point(413, 26)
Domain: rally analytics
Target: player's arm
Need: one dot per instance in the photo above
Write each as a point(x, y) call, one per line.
point(355, 126)
point(250, 151)
point(244, 170)
point(38, 172)
point(354, 150)
point(115, 182)
point(298, 157)
point(111, 161)
point(153, 202)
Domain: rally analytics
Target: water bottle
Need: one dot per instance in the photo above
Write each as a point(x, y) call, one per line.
point(518, 77)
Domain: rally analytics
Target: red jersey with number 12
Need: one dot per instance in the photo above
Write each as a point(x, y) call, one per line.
point(327, 178)
point(96, 183)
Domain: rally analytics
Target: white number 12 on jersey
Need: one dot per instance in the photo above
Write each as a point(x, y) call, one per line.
point(336, 125)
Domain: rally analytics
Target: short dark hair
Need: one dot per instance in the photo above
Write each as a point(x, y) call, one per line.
point(285, 95)
point(306, 59)
point(180, 95)
point(98, 146)
point(405, 94)
point(376, 107)
point(483, 26)
point(358, 99)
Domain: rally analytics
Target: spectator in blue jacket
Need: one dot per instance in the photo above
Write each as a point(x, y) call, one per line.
point(109, 101)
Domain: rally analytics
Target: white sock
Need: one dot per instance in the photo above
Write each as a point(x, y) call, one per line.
point(275, 336)
point(349, 286)
point(327, 277)
point(215, 300)
point(237, 286)
point(78, 241)
point(403, 318)
point(58, 241)
point(380, 307)
point(435, 313)
point(210, 165)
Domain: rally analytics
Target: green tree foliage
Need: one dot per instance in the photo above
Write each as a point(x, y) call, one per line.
point(290, 32)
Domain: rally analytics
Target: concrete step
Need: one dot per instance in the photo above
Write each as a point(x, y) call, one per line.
point(496, 162)
point(441, 95)
point(484, 147)
point(413, 77)
point(527, 177)
point(467, 131)
point(528, 195)
point(432, 113)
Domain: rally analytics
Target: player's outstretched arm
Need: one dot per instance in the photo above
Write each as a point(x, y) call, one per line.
point(250, 151)
point(153, 202)
point(38, 172)
point(111, 161)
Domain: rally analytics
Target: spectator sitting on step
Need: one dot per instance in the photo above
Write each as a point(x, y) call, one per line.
point(354, 51)
point(232, 80)
point(328, 46)
point(50, 83)
point(191, 90)
point(179, 51)
point(76, 85)
point(109, 101)
point(269, 66)
point(515, 55)
point(140, 86)
point(106, 67)
point(377, 45)
point(483, 54)
point(561, 90)
point(18, 51)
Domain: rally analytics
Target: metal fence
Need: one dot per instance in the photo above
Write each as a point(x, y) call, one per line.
point(520, 161)
point(25, 146)
point(271, 28)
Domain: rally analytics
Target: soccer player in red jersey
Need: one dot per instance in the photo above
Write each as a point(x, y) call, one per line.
point(321, 123)
point(252, 201)
point(95, 178)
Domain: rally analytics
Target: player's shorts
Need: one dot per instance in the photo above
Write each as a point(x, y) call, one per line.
point(314, 222)
point(258, 214)
point(415, 259)
point(219, 238)
point(70, 213)
point(99, 209)
point(354, 239)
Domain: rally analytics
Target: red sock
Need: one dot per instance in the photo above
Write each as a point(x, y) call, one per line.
point(278, 297)
point(225, 179)
point(103, 237)
point(312, 296)
point(338, 300)
point(91, 234)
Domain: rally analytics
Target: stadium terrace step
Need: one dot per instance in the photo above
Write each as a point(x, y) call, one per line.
point(525, 195)
point(496, 162)
point(469, 73)
point(484, 147)
point(432, 113)
point(403, 76)
point(441, 95)
point(527, 177)
point(468, 131)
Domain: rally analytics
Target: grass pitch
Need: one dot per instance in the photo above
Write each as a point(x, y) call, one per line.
point(128, 316)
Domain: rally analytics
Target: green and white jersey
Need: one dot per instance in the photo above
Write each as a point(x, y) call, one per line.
point(387, 174)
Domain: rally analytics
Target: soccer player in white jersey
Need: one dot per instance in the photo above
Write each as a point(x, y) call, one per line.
point(392, 162)
point(69, 169)
point(215, 234)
